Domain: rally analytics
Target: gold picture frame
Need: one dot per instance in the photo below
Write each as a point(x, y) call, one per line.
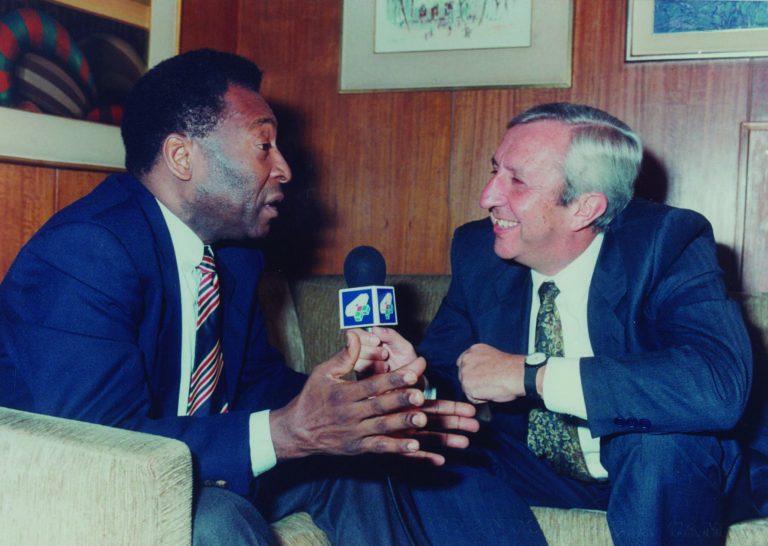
point(545, 63)
point(643, 44)
point(47, 139)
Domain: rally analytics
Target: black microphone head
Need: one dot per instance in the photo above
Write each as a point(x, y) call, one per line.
point(364, 266)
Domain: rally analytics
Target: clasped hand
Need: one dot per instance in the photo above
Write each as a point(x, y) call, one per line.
point(490, 375)
point(383, 412)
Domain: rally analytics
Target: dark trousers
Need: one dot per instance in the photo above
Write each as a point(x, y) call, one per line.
point(349, 498)
point(663, 489)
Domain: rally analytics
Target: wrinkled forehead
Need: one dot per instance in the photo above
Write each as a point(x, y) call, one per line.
point(536, 143)
point(248, 106)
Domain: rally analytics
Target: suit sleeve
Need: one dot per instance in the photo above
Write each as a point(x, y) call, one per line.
point(448, 335)
point(454, 328)
point(685, 361)
point(78, 320)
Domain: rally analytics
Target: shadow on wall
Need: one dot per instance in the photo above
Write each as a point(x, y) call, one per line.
point(653, 184)
point(296, 234)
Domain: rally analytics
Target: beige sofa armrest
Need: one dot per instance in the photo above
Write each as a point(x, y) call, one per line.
point(69, 482)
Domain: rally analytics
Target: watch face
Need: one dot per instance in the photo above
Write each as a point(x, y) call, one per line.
point(535, 358)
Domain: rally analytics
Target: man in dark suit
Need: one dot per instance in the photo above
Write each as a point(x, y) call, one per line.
point(102, 311)
point(598, 330)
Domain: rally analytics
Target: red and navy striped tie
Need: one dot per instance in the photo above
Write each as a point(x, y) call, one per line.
point(209, 360)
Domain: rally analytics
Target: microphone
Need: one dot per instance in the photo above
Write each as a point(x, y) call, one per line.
point(366, 302)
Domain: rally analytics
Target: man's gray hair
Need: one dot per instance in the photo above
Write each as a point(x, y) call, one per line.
point(604, 154)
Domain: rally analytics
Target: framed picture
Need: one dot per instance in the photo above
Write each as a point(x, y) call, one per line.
point(35, 135)
point(696, 29)
point(407, 45)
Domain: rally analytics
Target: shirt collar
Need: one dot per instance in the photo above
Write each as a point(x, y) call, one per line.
point(186, 244)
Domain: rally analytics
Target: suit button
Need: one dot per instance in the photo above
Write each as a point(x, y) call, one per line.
point(645, 424)
point(632, 422)
point(620, 422)
point(222, 484)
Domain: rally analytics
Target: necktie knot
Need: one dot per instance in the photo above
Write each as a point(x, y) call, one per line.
point(548, 291)
point(207, 264)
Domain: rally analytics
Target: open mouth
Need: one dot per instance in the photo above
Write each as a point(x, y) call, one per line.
point(503, 224)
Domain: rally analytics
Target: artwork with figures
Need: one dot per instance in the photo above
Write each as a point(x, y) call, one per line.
point(409, 25)
point(72, 58)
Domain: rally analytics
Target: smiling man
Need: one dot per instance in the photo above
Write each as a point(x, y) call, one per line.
point(598, 329)
point(136, 307)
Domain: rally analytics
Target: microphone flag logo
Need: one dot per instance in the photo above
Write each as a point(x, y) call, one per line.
point(367, 306)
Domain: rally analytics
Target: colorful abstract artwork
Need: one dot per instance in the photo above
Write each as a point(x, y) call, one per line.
point(707, 15)
point(696, 29)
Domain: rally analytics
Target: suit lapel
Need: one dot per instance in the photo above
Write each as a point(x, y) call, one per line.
point(166, 373)
point(513, 294)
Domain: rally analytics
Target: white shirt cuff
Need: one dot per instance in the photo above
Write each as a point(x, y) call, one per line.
point(562, 387)
point(430, 392)
point(262, 450)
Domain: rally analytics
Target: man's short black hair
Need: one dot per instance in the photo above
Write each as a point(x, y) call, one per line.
point(183, 94)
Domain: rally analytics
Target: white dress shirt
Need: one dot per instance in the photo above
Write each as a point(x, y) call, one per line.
point(189, 253)
point(562, 380)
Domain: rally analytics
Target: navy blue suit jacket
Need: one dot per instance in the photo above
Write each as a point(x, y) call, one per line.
point(671, 350)
point(90, 329)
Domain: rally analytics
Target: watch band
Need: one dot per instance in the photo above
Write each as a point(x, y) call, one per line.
point(529, 381)
point(533, 362)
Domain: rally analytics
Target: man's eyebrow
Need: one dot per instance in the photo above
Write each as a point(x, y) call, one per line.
point(494, 163)
point(266, 120)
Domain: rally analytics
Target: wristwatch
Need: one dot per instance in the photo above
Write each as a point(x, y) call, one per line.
point(533, 362)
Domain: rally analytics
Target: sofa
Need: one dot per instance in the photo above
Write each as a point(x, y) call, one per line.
point(66, 482)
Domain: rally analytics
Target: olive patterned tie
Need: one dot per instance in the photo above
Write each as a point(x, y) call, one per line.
point(550, 435)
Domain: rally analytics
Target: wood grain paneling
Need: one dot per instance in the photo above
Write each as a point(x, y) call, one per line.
point(377, 164)
point(751, 242)
point(206, 23)
point(401, 171)
point(27, 199)
point(72, 185)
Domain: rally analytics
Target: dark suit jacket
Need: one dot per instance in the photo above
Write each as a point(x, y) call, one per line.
point(671, 350)
point(90, 329)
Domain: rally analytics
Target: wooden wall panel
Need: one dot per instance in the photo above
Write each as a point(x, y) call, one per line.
point(209, 24)
point(72, 185)
point(751, 243)
point(376, 165)
point(401, 170)
point(27, 200)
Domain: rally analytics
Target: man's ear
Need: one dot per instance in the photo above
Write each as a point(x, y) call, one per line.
point(177, 155)
point(590, 207)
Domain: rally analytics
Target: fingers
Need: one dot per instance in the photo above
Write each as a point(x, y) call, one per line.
point(449, 407)
point(342, 362)
point(379, 384)
point(372, 359)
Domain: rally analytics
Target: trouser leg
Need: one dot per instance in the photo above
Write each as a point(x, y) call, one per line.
point(669, 489)
point(349, 498)
point(223, 518)
point(483, 495)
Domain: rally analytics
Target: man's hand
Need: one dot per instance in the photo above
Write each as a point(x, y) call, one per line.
point(489, 375)
point(380, 414)
point(383, 350)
